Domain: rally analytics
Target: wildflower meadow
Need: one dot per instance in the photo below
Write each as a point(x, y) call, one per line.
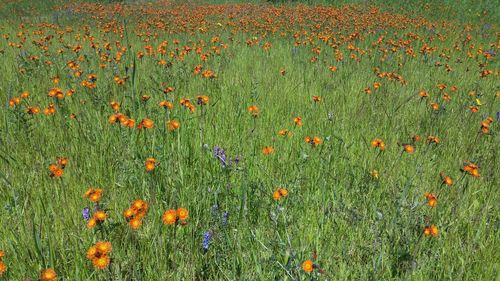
point(249, 140)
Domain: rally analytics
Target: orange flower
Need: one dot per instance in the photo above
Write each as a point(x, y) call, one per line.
point(434, 106)
point(3, 268)
point(182, 214)
point(101, 262)
point(332, 68)
point(173, 125)
point(135, 223)
point(408, 148)
point(316, 98)
point(441, 86)
point(94, 195)
point(169, 217)
point(168, 90)
point(276, 195)
point(378, 143)
point(423, 94)
point(62, 161)
point(376, 85)
point(308, 266)
point(433, 139)
point(48, 274)
point(115, 105)
point(285, 132)
point(100, 216)
point(166, 104)
point(314, 141)
point(298, 121)
point(99, 254)
point(267, 150)
point(151, 164)
point(14, 101)
point(146, 123)
point(446, 179)
point(431, 230)
point(254, 110)
point(202, 100)
point(471, 169)
point(431, 199)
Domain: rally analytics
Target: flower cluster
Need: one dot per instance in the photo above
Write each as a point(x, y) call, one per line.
point(173, 216)
point(98, 254)
point(134, 215)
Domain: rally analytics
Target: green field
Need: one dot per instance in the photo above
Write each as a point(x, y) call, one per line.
point(328, 140)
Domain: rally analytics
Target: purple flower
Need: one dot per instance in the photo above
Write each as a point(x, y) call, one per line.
point(207, 236)
point(86, 213)
point(215, 209)
point(498, 115)
point(225, 217)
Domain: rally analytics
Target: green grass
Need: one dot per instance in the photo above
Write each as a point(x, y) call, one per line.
point(361, 228)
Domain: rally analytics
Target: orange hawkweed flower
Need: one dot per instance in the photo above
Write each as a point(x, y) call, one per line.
point(433, 139)
point(298, 121)
point(33, 110)
point(431, 230)
point(169, 217)
point(446, 179)
point(100, 216)
point(376, 85)
point(408, 148)
point(431, 199)
point(98, 254)
point(135, 223)
point(173, 125)
point(423, 94)
point(254, 110)
point(314, 141)
point(94, 195)
point(285, 132)
point(474, 109)
point(14, 101)
point(166, 104)
point(150, 164)
point(48, 274)
point(316, 98)
point(62, 161)
point(146, 123)
point(182, 214)
point(267, 150)
point(136, 213)
point(276, 195)
point(115, 105)
point(3, 268)
point(471, 169)
point(434, 106)
point(485, 125)
point(308, 266)
point(441, 86)
point(202, 100)
point(378, 143)
point(168, 90)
